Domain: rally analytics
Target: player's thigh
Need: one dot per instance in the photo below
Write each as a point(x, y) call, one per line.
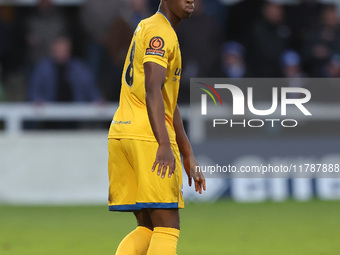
point(151, 187)
point(123, 181)
point(168, 218)
point(143, 218)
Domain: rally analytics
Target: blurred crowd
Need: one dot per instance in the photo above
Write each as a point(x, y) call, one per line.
point(52, 53)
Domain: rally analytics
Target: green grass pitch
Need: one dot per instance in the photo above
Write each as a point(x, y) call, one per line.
point(222, 228)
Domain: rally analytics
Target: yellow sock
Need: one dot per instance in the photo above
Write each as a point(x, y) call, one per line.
point(135, 243)
point(163, 241)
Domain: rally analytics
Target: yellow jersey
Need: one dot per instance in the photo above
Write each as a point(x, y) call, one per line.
point(154, 40)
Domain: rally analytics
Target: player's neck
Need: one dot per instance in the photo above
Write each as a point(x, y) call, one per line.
point(173, 19)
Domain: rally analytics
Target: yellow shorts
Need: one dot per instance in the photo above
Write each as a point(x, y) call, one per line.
point(132, 184)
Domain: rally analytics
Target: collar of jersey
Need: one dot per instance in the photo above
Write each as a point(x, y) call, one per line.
point(166, 18)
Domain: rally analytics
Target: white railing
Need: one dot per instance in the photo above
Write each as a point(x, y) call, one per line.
point(14, 114)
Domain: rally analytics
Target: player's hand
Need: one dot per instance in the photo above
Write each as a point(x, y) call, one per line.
point(164, 159)
point(193, 171)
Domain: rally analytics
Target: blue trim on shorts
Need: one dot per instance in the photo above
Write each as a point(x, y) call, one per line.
point(140, 206)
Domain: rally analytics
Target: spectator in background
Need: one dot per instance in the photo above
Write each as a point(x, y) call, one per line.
point(140, 10)
point(301, 18)
point(240, 19)
point(154, 4)
point(291, 64)
point(332, 69)
point(269, 39)
point(43, 27)
point(328, 91)
point(291, 68)
point(107, 24)
point(12, 52)
point(6, 40)
point(322, 42)
point(217, 9)
point(233, 65)
point(62, 78)
point(6, 37)
point(200, 39)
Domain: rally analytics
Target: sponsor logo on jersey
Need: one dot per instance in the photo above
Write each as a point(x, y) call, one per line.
point(178, 71)
point(121, 122)
point(156, 47)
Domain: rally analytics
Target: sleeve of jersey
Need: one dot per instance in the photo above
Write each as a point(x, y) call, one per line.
point(158, 48)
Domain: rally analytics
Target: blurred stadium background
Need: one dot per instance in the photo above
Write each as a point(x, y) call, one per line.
point(60, 67)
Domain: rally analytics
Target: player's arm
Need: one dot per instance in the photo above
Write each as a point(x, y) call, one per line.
point(189, 161)
point(155, 76)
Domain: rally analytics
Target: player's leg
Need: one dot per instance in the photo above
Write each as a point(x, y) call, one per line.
point(122, 177)
point(163, 195)
point(165, 236)
point(143, 219)
point(137, 242)
point(122, 197)
point(165, 218)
